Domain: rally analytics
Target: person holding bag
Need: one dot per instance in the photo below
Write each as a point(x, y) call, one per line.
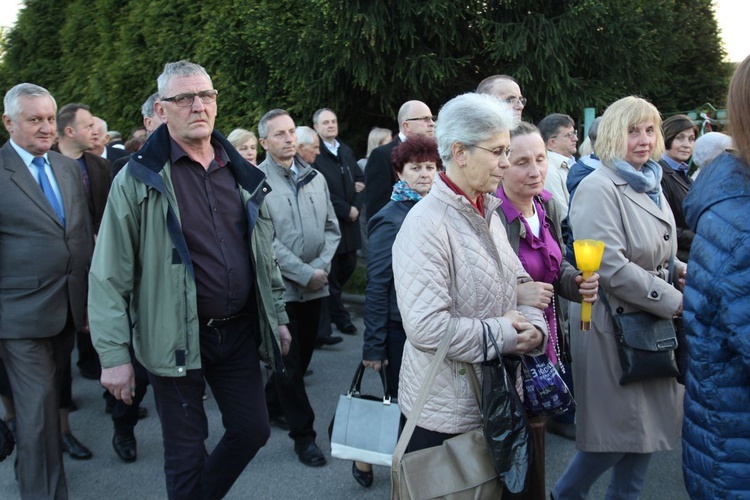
point(621, 203)
point(533, 222)
point(453, 265)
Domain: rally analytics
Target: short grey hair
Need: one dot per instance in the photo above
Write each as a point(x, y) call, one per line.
point(709, 146)
point(103, 123)
point(470, 119)
point(177, 69)
point(147, 110)
point(263, 123)
point(11, 102)
point(305, 135)
point(316, 115)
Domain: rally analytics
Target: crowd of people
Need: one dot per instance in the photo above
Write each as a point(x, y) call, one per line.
point(179, 260)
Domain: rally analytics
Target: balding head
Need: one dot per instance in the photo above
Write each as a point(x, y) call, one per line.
point(415, 118)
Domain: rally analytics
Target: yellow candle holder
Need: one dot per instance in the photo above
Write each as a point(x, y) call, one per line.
point(589, 258)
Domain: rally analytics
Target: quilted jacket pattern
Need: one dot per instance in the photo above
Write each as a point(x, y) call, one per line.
point(716, 429)
point(448, 261)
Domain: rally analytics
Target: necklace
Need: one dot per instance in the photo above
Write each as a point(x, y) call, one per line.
point(554, 339)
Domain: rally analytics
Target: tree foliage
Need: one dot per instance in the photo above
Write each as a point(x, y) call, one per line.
point(364, 58)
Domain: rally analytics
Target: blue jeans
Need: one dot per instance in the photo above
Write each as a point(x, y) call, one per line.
point(230, 365)
point(628, 474)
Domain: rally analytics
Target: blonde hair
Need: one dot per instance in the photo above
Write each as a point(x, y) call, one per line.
point(620, 116)
point(240, 136)
point(376, 137)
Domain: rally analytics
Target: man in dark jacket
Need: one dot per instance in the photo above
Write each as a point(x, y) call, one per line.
point(345, 179)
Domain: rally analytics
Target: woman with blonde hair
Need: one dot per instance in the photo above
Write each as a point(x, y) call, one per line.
point(245, 142)
point(621, 203)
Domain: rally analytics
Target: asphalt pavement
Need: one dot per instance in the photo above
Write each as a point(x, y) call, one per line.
point(275, 473)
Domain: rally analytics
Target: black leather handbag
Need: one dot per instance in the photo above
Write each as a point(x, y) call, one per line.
point(646, 344)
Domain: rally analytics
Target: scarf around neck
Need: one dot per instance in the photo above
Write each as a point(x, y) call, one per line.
point(402, 192)
point(646, 180)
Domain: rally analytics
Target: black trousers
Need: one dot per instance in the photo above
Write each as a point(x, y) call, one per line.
point(124, 416)
point(342, 267)
point(286, 395)
point(231, 366)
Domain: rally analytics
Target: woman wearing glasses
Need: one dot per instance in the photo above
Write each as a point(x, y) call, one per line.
point(533, 222)
point(452, 264)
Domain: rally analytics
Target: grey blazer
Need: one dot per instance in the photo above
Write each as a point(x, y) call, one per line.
point(43, 265)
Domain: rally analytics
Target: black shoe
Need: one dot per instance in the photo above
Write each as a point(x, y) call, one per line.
point(327, 341)
point(125, 446)
point(74, 448)
point(568, 431)
point(309, 453)
point(349, 329)
point(279, 421)
point(363, 477)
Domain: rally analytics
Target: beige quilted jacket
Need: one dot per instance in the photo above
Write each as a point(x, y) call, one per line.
point(450, 262)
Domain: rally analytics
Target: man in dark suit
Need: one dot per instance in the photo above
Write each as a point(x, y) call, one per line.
point(345, 179)
point(45, 251)
point(414, 118)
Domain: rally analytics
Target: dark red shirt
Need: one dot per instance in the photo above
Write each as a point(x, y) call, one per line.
point(214, 223)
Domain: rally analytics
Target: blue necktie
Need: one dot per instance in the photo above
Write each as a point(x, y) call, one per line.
point(47, 189)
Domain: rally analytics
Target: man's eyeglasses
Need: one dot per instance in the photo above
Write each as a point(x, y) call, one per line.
point(422, 118)
point(497, 152)
point(511, 101)
point(569, 135)
point(186, 100)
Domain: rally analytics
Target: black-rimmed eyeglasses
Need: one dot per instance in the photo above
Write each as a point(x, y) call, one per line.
point(422, 118)
point(186, 100)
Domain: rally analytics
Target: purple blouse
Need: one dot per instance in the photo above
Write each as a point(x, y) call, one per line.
point(541, 256)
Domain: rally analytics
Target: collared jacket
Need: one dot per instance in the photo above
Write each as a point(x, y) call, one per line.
point(452, 265)
point(306, 230)
point(142, 274)
point(341, 172)
point(716, 431)
point(642, 417)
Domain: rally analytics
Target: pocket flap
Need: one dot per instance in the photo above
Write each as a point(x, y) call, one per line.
point(642, 330)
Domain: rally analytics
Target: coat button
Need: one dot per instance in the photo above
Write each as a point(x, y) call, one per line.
point(654, 294)
point(180, 369)
point(620, 310)
point(666, 237)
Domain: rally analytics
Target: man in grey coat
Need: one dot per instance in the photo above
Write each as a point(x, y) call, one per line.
point(306, 237)
point(46, 241)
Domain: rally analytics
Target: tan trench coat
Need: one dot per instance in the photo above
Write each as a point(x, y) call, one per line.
point(639, 236)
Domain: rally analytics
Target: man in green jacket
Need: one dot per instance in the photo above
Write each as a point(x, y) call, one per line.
point(184, 258)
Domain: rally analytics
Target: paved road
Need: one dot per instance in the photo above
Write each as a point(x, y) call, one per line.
point(275, 472)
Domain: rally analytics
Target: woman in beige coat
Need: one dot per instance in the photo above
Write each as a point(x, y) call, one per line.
point(621, 204)
point(452, 263)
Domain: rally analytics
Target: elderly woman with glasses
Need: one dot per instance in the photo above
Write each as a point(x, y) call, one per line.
point(452, 264)
point(532, 219)
point(621, 203)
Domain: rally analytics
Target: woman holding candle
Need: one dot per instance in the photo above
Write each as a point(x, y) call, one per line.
point(532, 219)
point(716, 435)
point(453, 265)
point(621, 204)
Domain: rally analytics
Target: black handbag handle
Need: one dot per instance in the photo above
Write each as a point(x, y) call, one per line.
point(355, 388)
point(487, 332)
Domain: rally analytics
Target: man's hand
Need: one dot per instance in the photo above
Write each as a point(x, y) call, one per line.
point(285, 338)
point(589, 288)
point(359, 187)
point(375, 365)
point(528, 337)
point(535, 294)
point(120, 382)
point(319, 280)
point(353, 214)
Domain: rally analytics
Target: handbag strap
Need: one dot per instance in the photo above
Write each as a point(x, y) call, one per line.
point(424, 392)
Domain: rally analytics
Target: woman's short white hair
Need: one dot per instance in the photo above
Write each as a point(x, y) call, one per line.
point(470, 119)
point(709, 146)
